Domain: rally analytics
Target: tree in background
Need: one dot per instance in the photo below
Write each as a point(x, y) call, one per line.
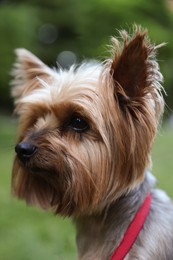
point(71, 30)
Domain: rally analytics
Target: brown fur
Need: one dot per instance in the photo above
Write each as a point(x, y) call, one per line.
point(82, 174)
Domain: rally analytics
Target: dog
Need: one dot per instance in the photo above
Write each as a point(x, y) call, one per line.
point(84, 142)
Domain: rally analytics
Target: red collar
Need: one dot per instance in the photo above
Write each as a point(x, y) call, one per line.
point(132, 231)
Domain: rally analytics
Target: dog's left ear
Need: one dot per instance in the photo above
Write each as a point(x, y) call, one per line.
point(133, 66)
point(25, 71)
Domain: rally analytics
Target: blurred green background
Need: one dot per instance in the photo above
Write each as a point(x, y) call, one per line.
point(68, 31)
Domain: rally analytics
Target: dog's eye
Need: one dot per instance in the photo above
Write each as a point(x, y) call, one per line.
point(78, 124)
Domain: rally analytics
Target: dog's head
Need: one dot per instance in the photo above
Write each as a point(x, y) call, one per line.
point(85, 134)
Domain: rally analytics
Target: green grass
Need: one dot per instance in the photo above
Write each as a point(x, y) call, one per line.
point(31, 234)
point(162, 157)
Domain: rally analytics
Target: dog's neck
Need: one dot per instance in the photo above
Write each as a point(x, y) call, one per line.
point(99, 235)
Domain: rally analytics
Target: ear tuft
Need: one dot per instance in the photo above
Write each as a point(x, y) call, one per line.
point(134, 68)
point(25, 71)
point(28, 61)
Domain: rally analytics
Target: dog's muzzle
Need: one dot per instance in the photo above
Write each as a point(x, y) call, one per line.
point(25, 151)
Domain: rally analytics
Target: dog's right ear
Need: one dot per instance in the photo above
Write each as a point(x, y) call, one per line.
point(25, 71)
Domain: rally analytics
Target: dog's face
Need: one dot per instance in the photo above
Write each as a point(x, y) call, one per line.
point(85, 134)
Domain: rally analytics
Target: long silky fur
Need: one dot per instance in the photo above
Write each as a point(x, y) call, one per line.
point(86, 175)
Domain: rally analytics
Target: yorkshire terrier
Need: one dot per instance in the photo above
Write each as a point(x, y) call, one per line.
point(85, 138)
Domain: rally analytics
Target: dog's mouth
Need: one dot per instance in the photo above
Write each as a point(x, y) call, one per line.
point(33, 166)
point(35, 169)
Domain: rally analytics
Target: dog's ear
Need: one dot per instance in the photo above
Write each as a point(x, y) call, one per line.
point(134, 67)
point(25, 71)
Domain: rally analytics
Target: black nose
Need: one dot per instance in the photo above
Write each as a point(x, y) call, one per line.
point(25, 150)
